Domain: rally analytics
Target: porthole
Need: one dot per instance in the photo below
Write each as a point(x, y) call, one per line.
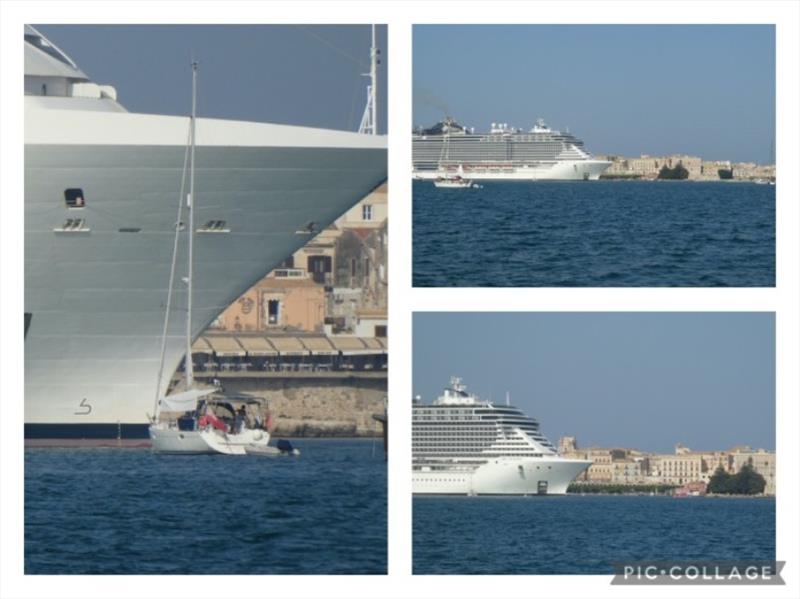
point(74, 198)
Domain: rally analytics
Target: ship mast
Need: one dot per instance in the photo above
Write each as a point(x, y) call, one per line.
point(188, 363)
point(369, 121)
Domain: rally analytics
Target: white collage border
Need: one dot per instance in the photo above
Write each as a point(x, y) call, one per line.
point(784, 299)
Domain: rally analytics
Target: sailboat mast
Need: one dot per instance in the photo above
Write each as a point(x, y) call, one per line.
point(189, 365)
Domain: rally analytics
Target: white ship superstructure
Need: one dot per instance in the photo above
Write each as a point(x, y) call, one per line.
point(462, 445)
point(504, 153)
point(102, 187)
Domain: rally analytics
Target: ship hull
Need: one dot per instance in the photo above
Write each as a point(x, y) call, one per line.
point(95, 299)
point(539, 476)
point(566, 170)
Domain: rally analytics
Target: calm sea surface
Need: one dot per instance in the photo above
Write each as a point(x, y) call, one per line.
point(595, 233)
point(585, 534)
point(128, 511)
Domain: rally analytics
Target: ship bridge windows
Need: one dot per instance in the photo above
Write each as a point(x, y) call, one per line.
point(74, 198)
point(37, 41)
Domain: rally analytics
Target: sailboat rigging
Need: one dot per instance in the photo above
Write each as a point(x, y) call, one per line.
point(202, 419)
point(446, 179)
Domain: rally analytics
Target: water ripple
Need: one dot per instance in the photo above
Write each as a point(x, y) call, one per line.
point(127, 511)
point(599, 233)
point(584, 534)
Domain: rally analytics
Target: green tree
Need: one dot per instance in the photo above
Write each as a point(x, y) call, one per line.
point(719, 481)
point(749, 482)
point(678, 172)
point(745, 482)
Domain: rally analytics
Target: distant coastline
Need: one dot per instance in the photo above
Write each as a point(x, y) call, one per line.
point(621, 177)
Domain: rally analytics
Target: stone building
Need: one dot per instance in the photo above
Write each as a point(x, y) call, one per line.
point(285, 298)
point(710, 169)
point(648, 167)
point(684, 466)
point(340, 271)
point(762, 462)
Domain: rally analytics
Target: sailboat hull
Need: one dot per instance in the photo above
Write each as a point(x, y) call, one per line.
point(170, 440)
point(167, 439)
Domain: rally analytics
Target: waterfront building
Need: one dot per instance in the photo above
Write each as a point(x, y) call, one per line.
point(285, 298)
point(627, 471)
point(762, 462)
point(751, 170)
point(683, 467)
point(710, 169)
point(648, 167)
point(676, 469)
point(330, 283)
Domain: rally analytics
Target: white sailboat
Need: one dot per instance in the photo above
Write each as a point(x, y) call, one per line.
point(202, 420)
point(446, 179)
point(457, 181)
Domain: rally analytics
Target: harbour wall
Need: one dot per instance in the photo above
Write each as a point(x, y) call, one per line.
point(315, 406)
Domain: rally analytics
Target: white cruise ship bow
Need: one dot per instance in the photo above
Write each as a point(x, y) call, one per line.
point(462, 445)
point(101, 190)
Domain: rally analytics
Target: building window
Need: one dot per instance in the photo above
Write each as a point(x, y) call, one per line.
point(366, 212)
point(380, 330)
point(273, 311)
point(319, 267)
point(74, 198)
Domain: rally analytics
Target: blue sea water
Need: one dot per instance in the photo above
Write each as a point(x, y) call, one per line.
point(595, 234)
point(585, 534)
point(128, 511)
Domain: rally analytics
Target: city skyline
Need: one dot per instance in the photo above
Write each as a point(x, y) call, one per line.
point(639, 380)
point(321, 86)
point(704, 90)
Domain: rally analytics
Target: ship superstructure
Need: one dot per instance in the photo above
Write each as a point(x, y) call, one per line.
point(504, 153)
point(102, 186)
point(463, 445)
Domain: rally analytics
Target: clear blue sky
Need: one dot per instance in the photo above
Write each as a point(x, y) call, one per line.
point(299, 75)
point(705, 90)
point(642, 380)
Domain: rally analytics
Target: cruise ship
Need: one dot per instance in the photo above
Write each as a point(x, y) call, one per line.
point(462, 445)
point(504, 154)
point(102, 189)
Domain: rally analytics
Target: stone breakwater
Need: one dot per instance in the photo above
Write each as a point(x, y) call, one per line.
point(315, 408)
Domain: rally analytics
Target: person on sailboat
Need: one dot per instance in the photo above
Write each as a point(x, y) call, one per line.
point(240, 420)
